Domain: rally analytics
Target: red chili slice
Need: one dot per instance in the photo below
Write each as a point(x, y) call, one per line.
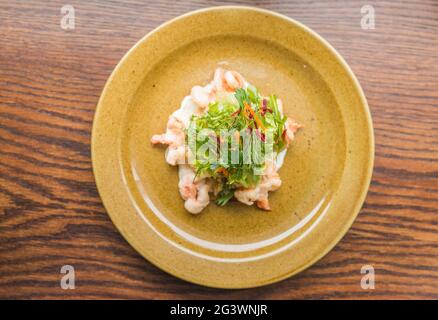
point(261, 135)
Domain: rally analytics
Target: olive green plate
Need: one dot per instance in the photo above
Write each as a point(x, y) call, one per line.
point(325, 175)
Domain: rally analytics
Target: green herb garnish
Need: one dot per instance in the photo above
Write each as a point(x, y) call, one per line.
point(220, 134)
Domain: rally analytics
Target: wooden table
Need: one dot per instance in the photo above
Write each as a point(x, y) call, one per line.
point(51, 214)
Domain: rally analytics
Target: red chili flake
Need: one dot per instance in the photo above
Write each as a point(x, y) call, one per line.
point(261, 135)
point(263, 107)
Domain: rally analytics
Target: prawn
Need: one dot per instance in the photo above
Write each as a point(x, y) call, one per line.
point(195, 193)
point(200, 96)
point(174, 138)
point(291, 127)
point(270, 181)
point(227, 80)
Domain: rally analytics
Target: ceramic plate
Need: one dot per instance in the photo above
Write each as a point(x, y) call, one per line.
point(325, 175)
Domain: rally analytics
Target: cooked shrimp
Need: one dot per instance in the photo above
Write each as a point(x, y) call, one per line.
point(186, 184)
point(195, 193)
point(227, 80)
point(200, 96)
point(263, 204)
point(247, 196)
point(197, 204)
point(218, 79)
point(270, 181)
point(234, 80)
point(175, 155)
point(291, 127)
point(174, 135)
point(174, 138)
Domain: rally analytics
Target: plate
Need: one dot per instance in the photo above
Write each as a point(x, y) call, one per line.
point(325, 176)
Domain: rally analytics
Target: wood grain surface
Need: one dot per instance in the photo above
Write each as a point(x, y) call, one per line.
point(51, 214)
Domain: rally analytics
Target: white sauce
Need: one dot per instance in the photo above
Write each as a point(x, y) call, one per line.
point(280, 159)
point(186, 110)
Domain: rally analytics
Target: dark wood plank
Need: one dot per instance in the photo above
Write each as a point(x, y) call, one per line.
point(51, 214)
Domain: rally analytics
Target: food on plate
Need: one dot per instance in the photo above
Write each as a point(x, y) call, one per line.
point(228, 141)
